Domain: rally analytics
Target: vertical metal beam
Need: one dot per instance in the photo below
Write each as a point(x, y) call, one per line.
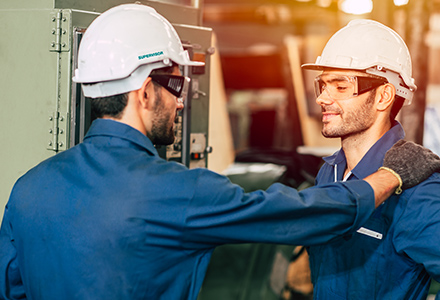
point(60, 42)
point(417, 26)
point(186, 125)
point(198, 4)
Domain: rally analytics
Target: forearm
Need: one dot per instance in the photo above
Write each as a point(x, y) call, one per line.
point(384, 184)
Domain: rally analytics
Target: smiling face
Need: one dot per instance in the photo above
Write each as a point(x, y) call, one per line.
point(347, 117)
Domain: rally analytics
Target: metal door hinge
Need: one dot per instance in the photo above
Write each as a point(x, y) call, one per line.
point(60, 31)
point(57, 130)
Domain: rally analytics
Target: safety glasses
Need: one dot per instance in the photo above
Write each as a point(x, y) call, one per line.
point(176, 85)
point(342, 87)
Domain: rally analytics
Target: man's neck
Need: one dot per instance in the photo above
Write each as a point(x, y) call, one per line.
point(356, 146)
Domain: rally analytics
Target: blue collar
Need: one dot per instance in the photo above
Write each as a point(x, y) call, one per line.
point(373, 159)
point(121, 131)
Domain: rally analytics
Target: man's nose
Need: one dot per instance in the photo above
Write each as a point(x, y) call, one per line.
point(324, 99)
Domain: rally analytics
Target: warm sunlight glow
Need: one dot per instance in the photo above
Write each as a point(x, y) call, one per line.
point(356, 7)
point(400, 2)
point(324, 3)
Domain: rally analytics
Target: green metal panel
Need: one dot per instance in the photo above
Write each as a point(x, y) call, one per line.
point(177, 13)
point(173, 12)
point(70, 19)
point(36, 84)
point(26, 5)
point(27, 82)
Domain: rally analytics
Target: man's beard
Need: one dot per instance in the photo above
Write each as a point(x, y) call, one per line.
point(354, 122)
point(162, 131)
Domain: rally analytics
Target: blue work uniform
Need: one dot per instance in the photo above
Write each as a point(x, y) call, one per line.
point(110, 219)
point(395, 253)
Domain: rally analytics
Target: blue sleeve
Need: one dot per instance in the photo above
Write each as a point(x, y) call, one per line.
point(221, 212)
point(418, 234)
point(11, 286)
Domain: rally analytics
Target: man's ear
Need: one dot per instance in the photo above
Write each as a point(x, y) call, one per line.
point(387, 93)
point(145, 93)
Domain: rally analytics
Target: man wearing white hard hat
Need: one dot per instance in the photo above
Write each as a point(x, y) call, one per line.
point(110, 219)
point(365, 80)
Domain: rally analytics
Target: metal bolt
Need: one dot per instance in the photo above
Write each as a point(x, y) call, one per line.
point(61, 118)
point(50, 143)
point(210, 50)
point(61, 131)
point(63, 45)
point(52, 45)
point(50, 130)
point(50, 118)
point(60, 144)
point(200, 93)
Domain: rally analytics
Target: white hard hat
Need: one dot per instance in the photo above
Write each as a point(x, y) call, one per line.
point(122, 46)
point(370, 46)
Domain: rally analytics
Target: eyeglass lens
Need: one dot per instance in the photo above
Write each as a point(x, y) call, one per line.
point(337, 87)
point(341, 87)
point(176, 85)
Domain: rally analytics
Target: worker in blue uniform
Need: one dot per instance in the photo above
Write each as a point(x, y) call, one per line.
point(365, 81)
point(110, 219)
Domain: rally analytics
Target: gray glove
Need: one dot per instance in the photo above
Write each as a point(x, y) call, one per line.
point(413, 163)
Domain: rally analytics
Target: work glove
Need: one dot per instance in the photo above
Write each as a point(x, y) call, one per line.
point(412, 162)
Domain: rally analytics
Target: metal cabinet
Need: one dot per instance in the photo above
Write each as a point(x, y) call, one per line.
point(44, 112)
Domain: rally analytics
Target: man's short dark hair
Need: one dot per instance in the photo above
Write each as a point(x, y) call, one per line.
point(111, 106)
point(397, 106)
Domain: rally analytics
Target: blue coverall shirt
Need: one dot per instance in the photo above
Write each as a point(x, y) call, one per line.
point(395, 253)
point(110, 219)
